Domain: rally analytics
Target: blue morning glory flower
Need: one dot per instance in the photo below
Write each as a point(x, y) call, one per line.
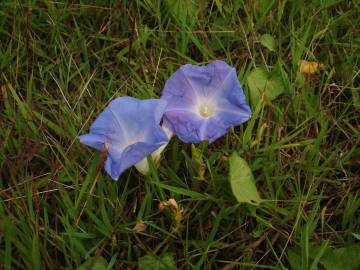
point(129, 130)
point(204, 102)
point(143, 165)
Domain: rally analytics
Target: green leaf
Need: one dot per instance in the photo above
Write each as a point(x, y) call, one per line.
point(164, 262)
point(196, 154)
point(346, 258)
point(356, 97)
point(99, 264)
point(356, 235)
point(262, 82)
point(242, 181)
point(219, 6)
point(183, 11)
point(198, 161)
point(294, 260)
point(89, 178)
point(268, 42)
point(183, 191)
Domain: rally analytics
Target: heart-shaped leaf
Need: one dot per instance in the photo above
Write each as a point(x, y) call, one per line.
point(164, 262)
point(268, 42)
point(96, 264)
point(242, 181)
point(346, 258)
point(262, 82)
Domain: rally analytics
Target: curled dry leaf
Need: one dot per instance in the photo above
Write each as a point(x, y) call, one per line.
point(177, 212)
point(139, 227)
point(173, 205)
point(162, 206)
point(310, 67)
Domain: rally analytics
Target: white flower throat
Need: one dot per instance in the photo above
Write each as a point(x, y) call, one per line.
point(207, 109)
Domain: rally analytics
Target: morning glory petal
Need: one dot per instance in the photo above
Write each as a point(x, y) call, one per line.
point(143, 165)
point(184, 124)
point(117, 162)
point(227, 116)
point(113, 164)
point(93, 140)
point(129, 129)
point(183, 85)
point(133, 118)
point(233, 114)
point(204, 102)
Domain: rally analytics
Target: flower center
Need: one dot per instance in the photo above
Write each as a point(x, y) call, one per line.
point(206, 110)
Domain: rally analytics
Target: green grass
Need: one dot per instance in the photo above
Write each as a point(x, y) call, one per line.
point(60, 64)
